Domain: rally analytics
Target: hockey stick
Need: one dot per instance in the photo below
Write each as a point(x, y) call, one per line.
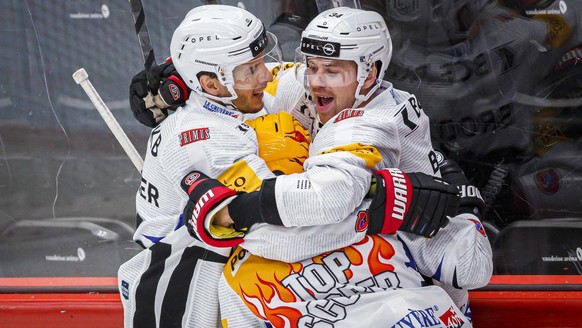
point(82, 78)
point(143, 36)
point(153, 103)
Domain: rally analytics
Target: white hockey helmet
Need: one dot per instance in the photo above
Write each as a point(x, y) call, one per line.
point(439, 23)
point(216, 39)
point(350, 34)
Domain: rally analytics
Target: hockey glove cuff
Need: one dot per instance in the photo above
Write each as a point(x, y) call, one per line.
point(470, 196)
point(206, 197)
point(412, 202)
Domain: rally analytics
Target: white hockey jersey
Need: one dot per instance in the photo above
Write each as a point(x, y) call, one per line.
point(285, 293)
point(208, 137)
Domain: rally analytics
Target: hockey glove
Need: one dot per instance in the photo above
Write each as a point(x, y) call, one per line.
point(413, 202)
point(206, 197)
point(471, 200)
point(150, 102)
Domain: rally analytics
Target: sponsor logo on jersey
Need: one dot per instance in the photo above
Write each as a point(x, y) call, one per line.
point(362, 221)
point(419, 318)
point(211, 107)
point(348, 113)
point(125, 289)
point(548, 181)
point(240, 177)
point(451, 319)
point(237, 259)
point(479, 227)
point(190, 136)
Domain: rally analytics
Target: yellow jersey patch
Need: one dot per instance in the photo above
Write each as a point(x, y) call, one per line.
point(240, 177)
point(368, 153)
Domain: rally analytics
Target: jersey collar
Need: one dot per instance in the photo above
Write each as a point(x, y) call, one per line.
point(212, 106)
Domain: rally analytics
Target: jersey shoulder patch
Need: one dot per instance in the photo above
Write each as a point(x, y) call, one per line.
point(348, 113)
point(193, 135)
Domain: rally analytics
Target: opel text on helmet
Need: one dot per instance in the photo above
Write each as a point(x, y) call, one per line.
point(216, 39)
point(353, 35)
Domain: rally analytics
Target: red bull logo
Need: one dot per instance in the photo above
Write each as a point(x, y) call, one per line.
point(451, 319)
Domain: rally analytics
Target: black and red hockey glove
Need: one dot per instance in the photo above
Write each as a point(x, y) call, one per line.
point(150, 102)
point(413, 202)
point(206, 197)
point(471, 200)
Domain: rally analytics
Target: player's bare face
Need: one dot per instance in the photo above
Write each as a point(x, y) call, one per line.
point(250, 80)
point(333, 85)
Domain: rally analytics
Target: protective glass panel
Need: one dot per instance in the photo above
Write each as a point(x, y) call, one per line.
point(503, 101)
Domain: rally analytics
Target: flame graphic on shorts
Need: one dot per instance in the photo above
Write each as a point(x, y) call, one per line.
point(382, 250)
point(259, 281)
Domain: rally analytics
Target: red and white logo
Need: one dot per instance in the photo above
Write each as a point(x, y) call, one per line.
point(191, 178)
point(362, 221)
point(401, 194)
point(451, 319)
point(348, 113)
point(479, 227)
point(204, 199)
point(174, 91)
point(194, 135)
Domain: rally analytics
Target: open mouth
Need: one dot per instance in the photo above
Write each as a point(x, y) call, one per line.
point(258, 94)
point(323, 101)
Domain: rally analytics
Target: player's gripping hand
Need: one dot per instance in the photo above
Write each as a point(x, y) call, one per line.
point(207, 196)
point(413, 202)
point(150, 102)
point(471, 200)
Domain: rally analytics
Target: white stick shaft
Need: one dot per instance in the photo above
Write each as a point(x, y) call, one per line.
point(82, 78)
